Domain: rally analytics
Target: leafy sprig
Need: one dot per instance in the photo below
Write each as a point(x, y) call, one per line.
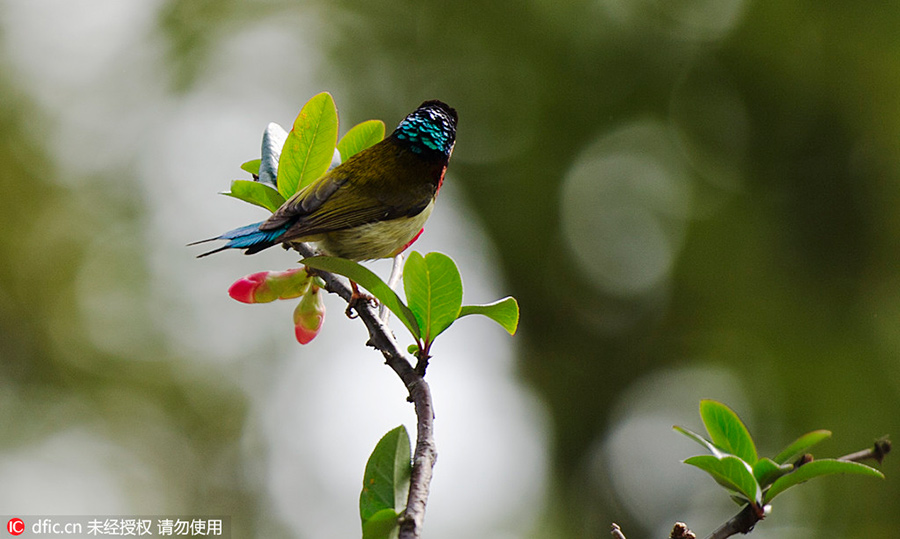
point(735, 465)
point(432, 285)
point(433, 290)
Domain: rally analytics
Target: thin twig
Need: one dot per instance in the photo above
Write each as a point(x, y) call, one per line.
point(425, 454)
point(396, 274)
point(877, 452)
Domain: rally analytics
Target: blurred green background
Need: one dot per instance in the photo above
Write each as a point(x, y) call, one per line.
point(689, 199)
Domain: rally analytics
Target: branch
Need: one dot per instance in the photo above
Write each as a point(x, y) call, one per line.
point(877, 452)
point(425, 454)
point(742, 522)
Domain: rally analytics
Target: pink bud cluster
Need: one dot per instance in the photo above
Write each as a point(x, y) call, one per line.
point(267, 286)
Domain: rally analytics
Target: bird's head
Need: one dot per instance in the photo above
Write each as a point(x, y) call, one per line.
point(429, 128)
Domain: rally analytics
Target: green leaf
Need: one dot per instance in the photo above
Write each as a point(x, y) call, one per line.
point(252, 166)
point(801, 445)
point(382, 525)
point(309, 146)
point(727, 431)
point(700, 440)
point(818, 468)
point(256, 193)
point(731, 472)
point(505, 312)
point(434, 292)
point(371, 282)
point(360, 137)
point(386, 480)
point(766, 471)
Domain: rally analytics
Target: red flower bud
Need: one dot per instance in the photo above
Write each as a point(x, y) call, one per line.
point(309, 315)
point(250, 288)
point(266, 286)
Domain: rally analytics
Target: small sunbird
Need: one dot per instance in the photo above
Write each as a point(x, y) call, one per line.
point(374, 204)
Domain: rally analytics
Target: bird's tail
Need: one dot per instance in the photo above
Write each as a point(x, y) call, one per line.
point(250, 238)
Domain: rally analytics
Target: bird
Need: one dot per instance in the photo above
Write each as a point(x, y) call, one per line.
point(373, 205)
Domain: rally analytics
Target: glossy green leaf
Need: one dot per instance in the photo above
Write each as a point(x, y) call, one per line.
point(818, 468)
point(700, 440)
point(434, 292)
point(386, 479)
point(382, 525)
point(309, 146)
point(256, 193)
point(727, 431)
point(730, 472)
point(252, 166)
point(360, 137)
point(766, 471)
point(801, 445)
point(505, 312)
point(371, 282)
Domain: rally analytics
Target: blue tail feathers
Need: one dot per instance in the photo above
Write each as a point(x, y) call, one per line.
point(248, 237)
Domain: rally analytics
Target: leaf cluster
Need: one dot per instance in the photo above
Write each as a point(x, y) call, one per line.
point(292, 160)
point(734, 463)
point(434, 291)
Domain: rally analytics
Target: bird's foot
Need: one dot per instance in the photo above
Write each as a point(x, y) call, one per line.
point(355, 299)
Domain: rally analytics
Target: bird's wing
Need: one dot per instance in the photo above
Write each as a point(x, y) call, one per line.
point(351, 195)
point(306, 201)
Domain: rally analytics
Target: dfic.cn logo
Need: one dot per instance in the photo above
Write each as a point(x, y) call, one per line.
point(15, 526)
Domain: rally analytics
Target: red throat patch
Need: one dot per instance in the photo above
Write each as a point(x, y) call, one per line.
point(438, 190)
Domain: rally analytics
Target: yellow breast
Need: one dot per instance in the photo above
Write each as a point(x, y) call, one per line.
point(382, 239)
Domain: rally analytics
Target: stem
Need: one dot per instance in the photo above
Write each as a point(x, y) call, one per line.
point(877, 452)
point(424, 458)
point(742, 522)
point(396, 274)
point(382, 339)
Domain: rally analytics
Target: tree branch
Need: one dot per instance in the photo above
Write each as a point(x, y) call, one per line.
point(425, 454)
point(742, 522)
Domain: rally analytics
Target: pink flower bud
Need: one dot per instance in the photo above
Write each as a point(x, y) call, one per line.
point(251, 289)
point(266, 286)
point(309, 315)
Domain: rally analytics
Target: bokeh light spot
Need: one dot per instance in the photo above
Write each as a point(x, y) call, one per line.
point(624, 206)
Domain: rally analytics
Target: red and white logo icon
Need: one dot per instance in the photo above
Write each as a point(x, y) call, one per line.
point(15, 526)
